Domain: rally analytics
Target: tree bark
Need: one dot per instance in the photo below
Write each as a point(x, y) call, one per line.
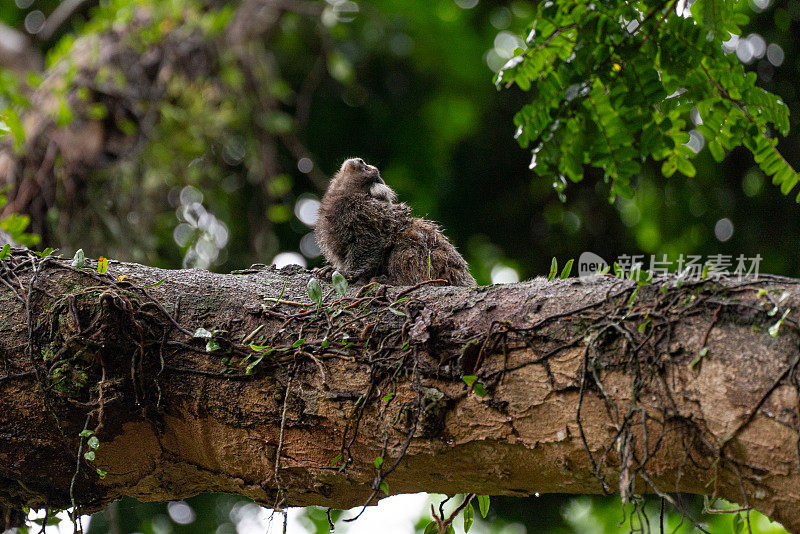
point(583, 386)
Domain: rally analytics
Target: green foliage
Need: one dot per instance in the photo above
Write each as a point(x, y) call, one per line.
point(16, 224)
point(475, 386)
point(567, 269)
point(339, 283)
point(553, 269)
point(615, 83)
point(469, 517)
point(774, 329)
point(79, 259)
point(483, 504)
point(155, 284)
point(202, 333)
point(314, 291)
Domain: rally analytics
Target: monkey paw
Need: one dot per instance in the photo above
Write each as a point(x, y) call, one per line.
point(323, 273)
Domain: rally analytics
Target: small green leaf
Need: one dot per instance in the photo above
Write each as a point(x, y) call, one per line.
point(632, 298)
point(86, 433)
point(50, 520)
point(101, 473)
point(384, 487)
point(479, 390)
point(102, 265)
point(553, 269)
point(93, 442)
point(249, 369)
point(339, 283)
point(567, 269)
point(258, 348)
point(469, 517)
point(336, 459)
point(378, 462)
point(325, 343)
point(700, 356)
point(314, 290)
point(5, 251)
point(738, 523)
point(450, 530)
point(78, 259)
point(773, 330)
point(203, 333)
point(388, 397)
point(469, 379)
point(212, 345)
point(397, 312)
point(431, 528)
point(429, 266)
point(483, 504)
point(46, 252)
point(156, 284)
point(641, 277)
point(298, 343)
point(89, 455)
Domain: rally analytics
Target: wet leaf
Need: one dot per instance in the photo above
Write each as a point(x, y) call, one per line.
point(314, 290)
point(339, 283)
point(469, 517)
point(202, 333)
point(553, 269)
point(79, 259)
point(483, 504)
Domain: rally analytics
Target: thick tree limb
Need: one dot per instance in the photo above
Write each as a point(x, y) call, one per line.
point(585, 392)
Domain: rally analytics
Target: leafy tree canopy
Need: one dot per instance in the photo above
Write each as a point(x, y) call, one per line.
point(614, 83)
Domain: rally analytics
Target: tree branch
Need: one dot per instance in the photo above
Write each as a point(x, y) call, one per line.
point(204, 382)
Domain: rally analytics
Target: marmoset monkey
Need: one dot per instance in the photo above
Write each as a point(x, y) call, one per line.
point(365, 234)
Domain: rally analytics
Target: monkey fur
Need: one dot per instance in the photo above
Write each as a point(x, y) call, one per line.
point(366, 235)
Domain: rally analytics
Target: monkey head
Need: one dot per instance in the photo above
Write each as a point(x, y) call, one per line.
point(355, 175)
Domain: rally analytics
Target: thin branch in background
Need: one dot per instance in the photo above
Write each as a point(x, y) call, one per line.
point(61, 14)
